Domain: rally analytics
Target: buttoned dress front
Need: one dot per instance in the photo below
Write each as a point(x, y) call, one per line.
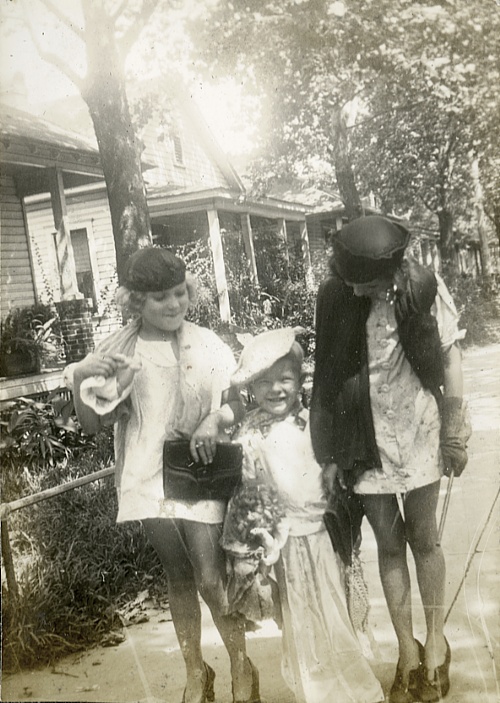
point(405, 415)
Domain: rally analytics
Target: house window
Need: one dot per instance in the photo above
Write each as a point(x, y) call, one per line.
point(83, 263)
point(177, 147)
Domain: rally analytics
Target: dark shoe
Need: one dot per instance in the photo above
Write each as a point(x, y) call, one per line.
point(255, 694)
point(408, 691)
point(208, 694)
point(435, 690)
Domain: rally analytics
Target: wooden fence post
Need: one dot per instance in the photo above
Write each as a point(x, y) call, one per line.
point(8, 562)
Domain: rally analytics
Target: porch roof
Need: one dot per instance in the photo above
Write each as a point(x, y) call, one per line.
point(30, 144)
point(17, 123)
point(164, 201)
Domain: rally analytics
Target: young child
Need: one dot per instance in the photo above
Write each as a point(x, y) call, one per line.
point(322, 659)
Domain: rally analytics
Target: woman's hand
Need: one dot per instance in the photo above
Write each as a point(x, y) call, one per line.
point(95, 365)
point(107, 365)
point(126, 369)
point(330, 473)
point(203, 443)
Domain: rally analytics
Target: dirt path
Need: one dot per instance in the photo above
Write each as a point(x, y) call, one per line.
point(147, 665)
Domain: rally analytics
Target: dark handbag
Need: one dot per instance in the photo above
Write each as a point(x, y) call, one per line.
point(186, 479)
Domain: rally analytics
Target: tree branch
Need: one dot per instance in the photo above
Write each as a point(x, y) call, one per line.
point(400, 108)
point(114, 15)
point(51, 57)
point(428, 204)
point(62, 18)
point(141, 19)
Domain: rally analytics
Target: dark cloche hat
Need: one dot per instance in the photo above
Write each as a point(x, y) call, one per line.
point(153, 269)
point(368, 248)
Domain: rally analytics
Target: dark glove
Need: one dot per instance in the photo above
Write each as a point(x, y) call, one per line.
point(455, 431)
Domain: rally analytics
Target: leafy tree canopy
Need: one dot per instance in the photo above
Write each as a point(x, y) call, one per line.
point(412, 83)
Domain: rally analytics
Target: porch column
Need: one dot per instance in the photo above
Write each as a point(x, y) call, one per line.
point(306, 254)
point(281, 229)
point(219, 267)
point(246, 229)
point(64, 248)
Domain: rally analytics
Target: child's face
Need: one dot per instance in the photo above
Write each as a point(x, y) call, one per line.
point(165, 310)
point(277, 389)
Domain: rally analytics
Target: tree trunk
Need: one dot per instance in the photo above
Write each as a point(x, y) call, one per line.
point(106, 98)
point(484, 249)
point(343, 167)
point(496, 220)
point(446, 241)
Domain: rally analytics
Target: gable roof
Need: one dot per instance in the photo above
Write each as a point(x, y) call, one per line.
point(193, 114)
point(30, 145)
point(24, 125)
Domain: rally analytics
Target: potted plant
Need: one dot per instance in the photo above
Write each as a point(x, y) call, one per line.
point(27, 335)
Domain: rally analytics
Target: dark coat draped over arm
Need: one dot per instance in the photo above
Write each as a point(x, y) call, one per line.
point(341, 419)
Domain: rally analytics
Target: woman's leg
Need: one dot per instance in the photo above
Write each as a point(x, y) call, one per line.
point(169, 542)
point(385, 519)
point(209, 566)
point(422, 533)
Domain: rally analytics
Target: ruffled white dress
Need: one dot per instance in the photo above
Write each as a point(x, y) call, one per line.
point(322, 659)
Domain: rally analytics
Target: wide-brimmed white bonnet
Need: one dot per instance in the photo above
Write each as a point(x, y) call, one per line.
point(261, 353)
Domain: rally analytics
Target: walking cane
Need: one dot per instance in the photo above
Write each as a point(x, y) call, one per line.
point(445, 508)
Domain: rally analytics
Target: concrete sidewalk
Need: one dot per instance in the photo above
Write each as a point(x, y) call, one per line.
point(148, 664)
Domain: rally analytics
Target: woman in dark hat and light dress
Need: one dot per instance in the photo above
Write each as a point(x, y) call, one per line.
point(388, 420)
point(159, 378)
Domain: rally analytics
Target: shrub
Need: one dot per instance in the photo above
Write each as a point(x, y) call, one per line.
point(35, 435)
point(479, 308)
point(33, 331)
point(75, 567)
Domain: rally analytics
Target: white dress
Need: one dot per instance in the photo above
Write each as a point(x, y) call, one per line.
point(167, 399)
point(322, 659)
point(405, 415)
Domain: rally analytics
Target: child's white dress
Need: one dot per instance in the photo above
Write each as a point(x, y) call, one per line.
point(322, 659)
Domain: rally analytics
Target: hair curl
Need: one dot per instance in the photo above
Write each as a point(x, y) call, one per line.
point(131, 302)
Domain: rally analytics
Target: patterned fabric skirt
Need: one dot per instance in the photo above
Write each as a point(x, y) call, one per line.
point(322, 658)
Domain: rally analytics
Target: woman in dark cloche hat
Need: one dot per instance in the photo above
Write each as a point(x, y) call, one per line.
point(387, 421)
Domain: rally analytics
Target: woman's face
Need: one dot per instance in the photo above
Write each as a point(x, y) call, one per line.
point(277, 389)
point(370, 289)
point(165, 310)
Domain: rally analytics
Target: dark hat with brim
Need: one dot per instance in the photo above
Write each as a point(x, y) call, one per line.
point(153, 269)
point(368, 248)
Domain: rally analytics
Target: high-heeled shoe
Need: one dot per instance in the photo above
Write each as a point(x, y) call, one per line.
point(255, 694)
point(436, 690)
point(208, 693)
point(407, 691)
